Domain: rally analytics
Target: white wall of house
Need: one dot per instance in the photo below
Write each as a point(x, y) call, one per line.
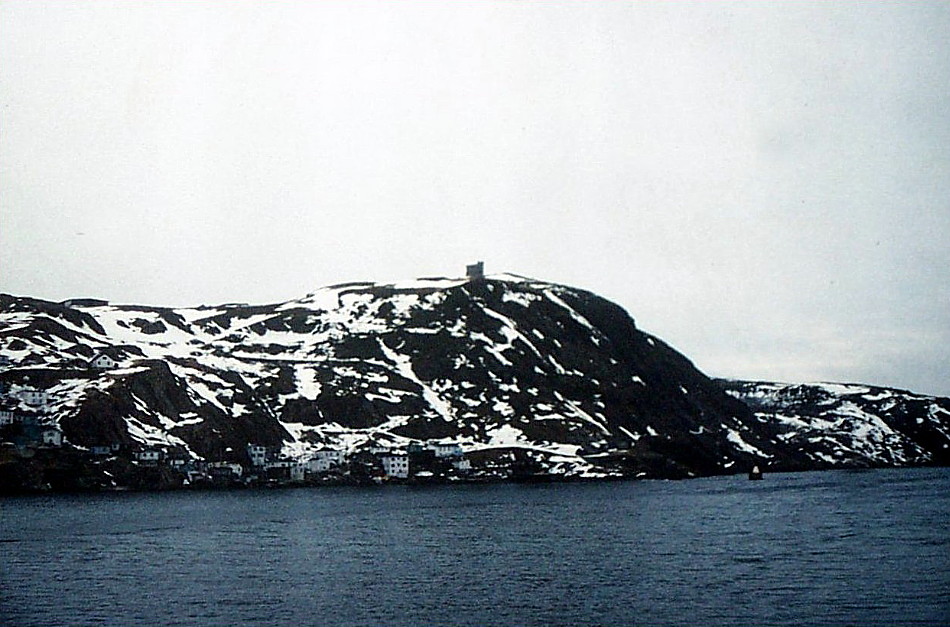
point(104, 361)
point(333, 456)
point(450, 449)
point(396, 466)
point(34, 397)
point(258, 454)
point(318, 464)
point(235, 469)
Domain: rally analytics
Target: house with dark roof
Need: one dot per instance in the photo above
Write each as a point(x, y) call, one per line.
point(106, 359)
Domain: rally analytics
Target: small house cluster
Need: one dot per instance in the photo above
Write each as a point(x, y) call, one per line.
point(267, 466)
point(27, 423)
point(376, 463)
point(24, 418)
point(106, 358)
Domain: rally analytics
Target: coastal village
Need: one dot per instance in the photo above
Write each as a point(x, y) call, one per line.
point(505, 379)
point(26, 430)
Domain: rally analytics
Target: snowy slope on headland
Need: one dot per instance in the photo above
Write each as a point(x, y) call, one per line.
point(503, 364)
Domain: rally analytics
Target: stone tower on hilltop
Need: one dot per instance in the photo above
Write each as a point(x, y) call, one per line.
point(475, 271)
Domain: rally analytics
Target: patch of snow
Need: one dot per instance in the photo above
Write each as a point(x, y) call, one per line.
point(578, 412)
point(403, 366)
point(505, 435)
point(519, 298)
point(841, 389)
point(503, 408)
point(151, 436)
point(127, 371)
point(491, 348)
point(557, 366)
point(573, 313)
point(190, 315)
point(423, 331)
point(426, 283)
point(387, 395)
point(307, 384)
point(733, 436)
point(507, 277)
point(510, 329)
point(633, 436)
point(205, 393)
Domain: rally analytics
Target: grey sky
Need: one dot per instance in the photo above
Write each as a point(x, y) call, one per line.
point(764, 185)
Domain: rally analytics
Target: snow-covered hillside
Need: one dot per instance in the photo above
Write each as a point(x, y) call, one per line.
point(849, 425)
point(498, 364)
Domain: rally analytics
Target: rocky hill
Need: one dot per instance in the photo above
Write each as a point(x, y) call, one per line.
point(505, 367)
point(837, 425)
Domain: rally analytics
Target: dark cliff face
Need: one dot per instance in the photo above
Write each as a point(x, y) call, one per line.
point(498, 364)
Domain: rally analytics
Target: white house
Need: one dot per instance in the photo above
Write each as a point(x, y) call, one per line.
point(325, 459)
point(462, 464)
point(148, 455)
point(258, 454)
point(52, 436)
point(396, 466)
point(333, 457)
point(318, 464)
point(34, 397)
point(445, 449)
point(298, 472)
point(235, 469)
point(103, 361)
point(6, 417)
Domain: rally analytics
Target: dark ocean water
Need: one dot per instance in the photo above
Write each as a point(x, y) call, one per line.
point(830, 548)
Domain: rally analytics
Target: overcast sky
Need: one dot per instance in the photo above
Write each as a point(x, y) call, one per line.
point(766, 186)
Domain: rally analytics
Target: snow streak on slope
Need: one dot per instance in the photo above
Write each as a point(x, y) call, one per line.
point(403, 366)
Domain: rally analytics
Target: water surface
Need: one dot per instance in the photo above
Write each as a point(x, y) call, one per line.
point(830, 548)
